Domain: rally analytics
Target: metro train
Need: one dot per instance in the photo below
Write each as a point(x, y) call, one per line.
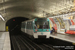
point(36, 28)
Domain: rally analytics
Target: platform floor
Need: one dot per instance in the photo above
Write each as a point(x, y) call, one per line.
point(65, 37)
point(4, 41)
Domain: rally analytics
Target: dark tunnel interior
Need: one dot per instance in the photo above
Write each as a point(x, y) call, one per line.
point(14, 25)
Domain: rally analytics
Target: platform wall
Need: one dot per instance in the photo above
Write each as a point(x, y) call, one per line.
point(2, 25)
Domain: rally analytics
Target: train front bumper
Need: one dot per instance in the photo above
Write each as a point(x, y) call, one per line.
point(41, 35)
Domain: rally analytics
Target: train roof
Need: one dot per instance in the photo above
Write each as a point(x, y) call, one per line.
point(28, 20)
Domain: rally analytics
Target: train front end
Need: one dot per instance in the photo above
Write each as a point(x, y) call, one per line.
point(41, 28)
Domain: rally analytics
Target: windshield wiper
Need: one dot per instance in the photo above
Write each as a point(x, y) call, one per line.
point(43, 25)
point(36, 27)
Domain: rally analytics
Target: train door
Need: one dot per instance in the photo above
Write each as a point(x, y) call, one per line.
point(25, 27)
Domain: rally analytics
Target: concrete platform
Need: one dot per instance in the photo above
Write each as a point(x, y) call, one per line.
point(5, 41)
point(65, 37)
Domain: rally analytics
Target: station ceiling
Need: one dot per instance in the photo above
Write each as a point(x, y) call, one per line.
point(34, 8)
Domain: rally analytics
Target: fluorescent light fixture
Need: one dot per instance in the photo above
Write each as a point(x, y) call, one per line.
point(2, 17)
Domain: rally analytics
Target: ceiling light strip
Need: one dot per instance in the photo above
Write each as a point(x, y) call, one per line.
point(2, 18)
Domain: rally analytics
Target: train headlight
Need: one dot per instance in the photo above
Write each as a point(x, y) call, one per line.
point(36, 30)
point(47, 30)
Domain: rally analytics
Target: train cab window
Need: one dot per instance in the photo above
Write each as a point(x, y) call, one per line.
point(42, 24)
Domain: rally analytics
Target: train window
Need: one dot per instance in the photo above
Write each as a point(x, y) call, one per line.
point(42, 24)
point(27, 25)
point(31, 25)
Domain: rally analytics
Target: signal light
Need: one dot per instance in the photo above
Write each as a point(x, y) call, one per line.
point(13, 19)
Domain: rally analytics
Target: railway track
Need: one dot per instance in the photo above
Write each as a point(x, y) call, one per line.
point(14, 45)
point(21, 42)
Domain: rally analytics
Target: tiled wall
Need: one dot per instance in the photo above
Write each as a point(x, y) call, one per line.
point(2, 25)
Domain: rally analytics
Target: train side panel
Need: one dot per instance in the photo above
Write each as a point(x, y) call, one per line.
point(29, 28)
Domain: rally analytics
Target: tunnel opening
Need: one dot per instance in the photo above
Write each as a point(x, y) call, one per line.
point(14, 25)
point(14, 28)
